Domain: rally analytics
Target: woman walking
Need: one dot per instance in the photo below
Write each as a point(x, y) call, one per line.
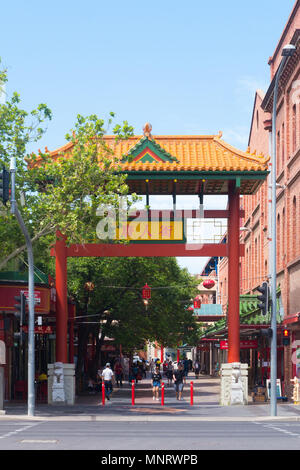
point(156, 379)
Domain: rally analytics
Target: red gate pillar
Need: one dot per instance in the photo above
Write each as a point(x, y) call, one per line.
point(233, 318)
point(71, 309)
point(61, 298)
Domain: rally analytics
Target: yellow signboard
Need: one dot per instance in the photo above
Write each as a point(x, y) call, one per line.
point(150, 230)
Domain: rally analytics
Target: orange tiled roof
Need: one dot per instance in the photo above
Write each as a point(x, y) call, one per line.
point(189, 152)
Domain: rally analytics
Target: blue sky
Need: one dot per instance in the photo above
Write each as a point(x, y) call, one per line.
point(187, 67)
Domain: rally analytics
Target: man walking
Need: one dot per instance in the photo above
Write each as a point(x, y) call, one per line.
point(178, 376)
point(107, 376)
point(118, 373)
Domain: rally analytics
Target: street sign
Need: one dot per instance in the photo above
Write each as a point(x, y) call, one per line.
point(246, 344)
point(37, 297)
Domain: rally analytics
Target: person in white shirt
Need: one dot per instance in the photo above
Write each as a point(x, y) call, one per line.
point(107, 376)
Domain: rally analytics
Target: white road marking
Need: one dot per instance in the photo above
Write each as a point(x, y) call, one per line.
point(25, 428)
point(39, 441)
point(276, 428)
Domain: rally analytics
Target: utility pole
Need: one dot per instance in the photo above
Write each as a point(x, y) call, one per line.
point(31, 345)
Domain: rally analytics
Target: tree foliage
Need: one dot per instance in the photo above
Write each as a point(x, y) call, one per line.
point(61, 193)
point(114, 307)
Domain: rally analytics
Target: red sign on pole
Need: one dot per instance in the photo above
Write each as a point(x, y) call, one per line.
point(246, 344)
point(42, 330)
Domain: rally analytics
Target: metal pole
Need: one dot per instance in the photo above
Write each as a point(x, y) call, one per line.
point(31, 346)
point(273, 378)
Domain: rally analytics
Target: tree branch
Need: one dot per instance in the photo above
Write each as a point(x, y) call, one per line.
point(46, 230)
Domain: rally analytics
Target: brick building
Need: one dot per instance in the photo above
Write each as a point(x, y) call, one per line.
point(255, 266)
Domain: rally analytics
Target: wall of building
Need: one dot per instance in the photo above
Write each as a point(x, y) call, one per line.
point(255, 265)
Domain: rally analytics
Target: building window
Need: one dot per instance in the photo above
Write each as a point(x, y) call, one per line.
point(282, 145)
point(278, 151)
point(294, 233)
point(266, 268)
point(294, 133)
point(256, 262)
point(278, 242)
point(282, 238)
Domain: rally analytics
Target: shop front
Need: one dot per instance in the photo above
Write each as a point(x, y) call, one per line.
point(14, 337)
point(254, 343)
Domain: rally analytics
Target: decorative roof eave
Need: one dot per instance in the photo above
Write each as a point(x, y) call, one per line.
point(193, 155)
point(285, 31)
point(250, 316)
point(195, 174)
point(290, 65)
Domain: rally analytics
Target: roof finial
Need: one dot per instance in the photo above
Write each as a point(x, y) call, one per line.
point(147, 129)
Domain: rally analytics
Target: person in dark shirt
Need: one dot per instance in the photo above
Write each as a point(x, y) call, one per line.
point(178, 377)
point(156, 378)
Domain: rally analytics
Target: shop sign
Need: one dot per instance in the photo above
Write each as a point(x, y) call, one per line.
point(246, 344)
point(42, 330)
point(203, 347)
point(37, 296)
point(108, 347)
point(8, 293)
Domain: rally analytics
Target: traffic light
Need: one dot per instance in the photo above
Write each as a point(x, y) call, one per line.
point(4, 185)
point(264, 298)
point(266, 333)
point(20, 308)
point(286, 337)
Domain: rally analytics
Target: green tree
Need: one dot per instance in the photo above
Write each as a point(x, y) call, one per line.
point(61, 193)
point(114, 307)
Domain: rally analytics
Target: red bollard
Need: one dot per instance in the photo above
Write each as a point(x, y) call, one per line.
point(103, 393)
point(162, 393)
point(132, 393)
point(192, 393)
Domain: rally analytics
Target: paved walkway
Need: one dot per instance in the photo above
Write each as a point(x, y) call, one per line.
point(205, 407)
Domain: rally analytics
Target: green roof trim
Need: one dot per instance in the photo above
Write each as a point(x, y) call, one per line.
point(13, 276)
point(250, 314)
point(145, 143)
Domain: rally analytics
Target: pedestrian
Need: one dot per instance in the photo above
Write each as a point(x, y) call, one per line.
point(91, 386)
point(135, 371)
point(119, 374)
point(156, 379)
point(178, 376)
point(107, 376)
point(144, 369)
point(169, 373)
point(197, 368)
point(186, 368)
point(216, 369)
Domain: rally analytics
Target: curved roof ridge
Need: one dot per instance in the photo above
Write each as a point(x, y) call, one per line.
point(252, 157)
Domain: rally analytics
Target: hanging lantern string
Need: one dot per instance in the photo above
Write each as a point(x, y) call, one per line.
point(139, 288)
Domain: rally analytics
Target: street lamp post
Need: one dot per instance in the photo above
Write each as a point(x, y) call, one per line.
point(287, 51)
point(31, 340)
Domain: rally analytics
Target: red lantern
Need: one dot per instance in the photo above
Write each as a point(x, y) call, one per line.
point(146, 292)
point(197, 302)
point(209, 283)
